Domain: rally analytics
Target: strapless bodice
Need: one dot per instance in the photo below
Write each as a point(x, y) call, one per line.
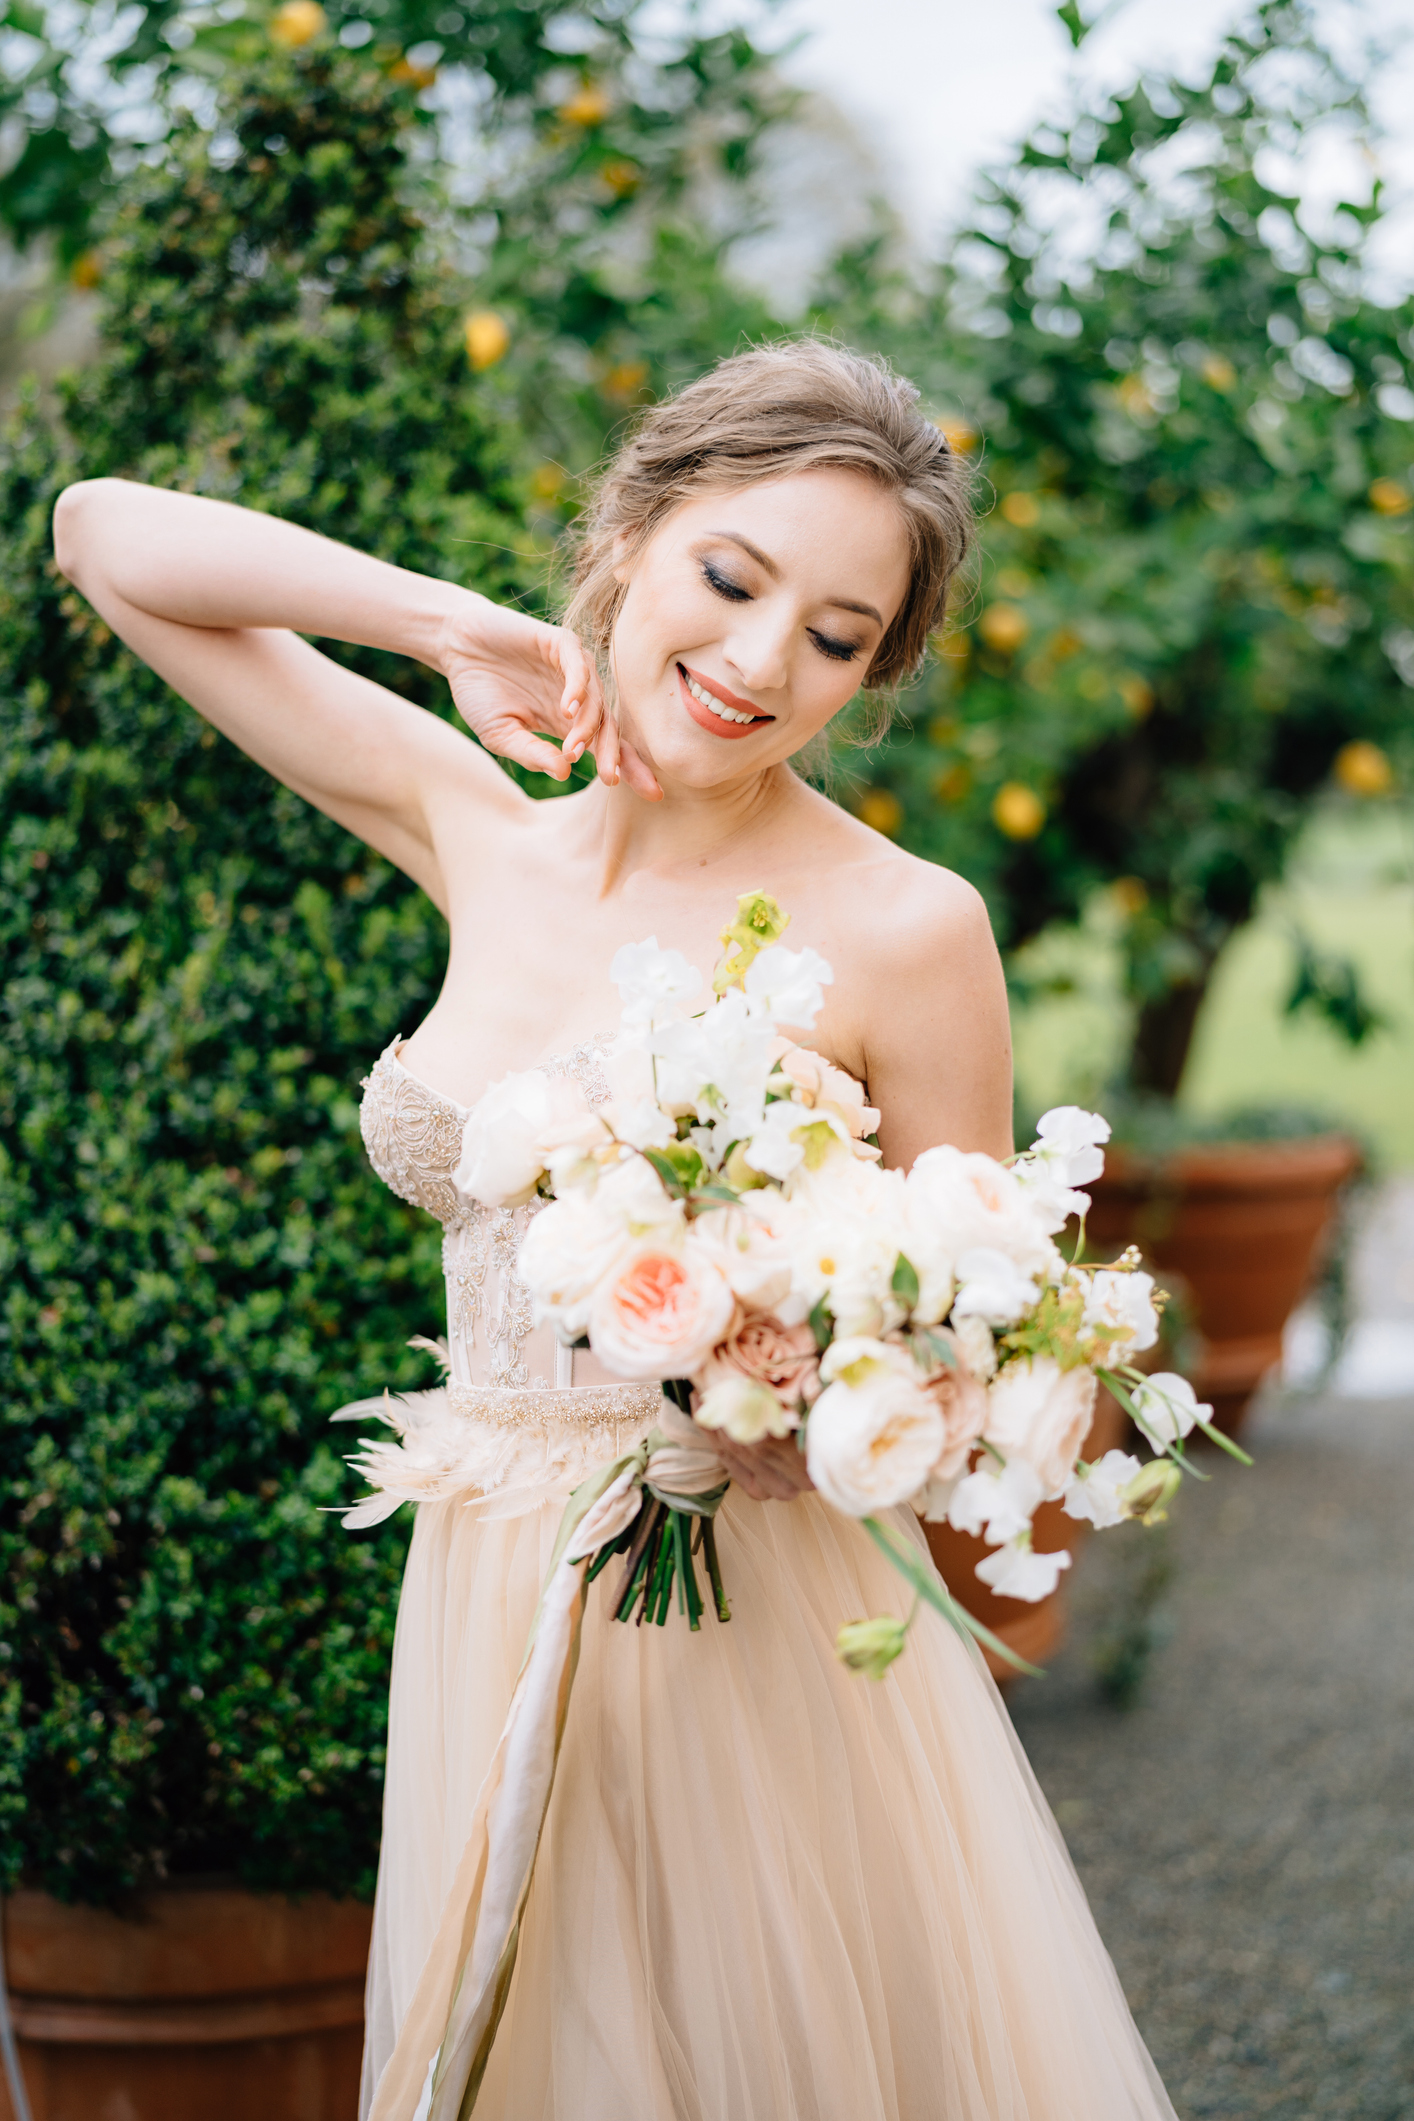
point(518, 1412)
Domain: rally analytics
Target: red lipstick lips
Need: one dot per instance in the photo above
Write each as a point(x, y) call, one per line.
point(704, 717)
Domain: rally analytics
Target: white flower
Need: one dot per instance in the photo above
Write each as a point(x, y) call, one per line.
point(992, 1287)
point(976, 1346)
point(643, 1124)
point(1014, 1571)
point(750, 1245)
point(974, 1203)
point(1166, 1408)
point(1125, 1301)
point(1039, 1412)
point(874, 1435)
point(1068, 1139)
point(659, 1313)
point(996, 1502)
point(745, 1409)
point(570, 1247)
point(652, 983)
point(717, 1064)
point(1052, 1199)
point(504, 1153)
point(633, 1194)
point(1096, 1492)
point(789, 984)
point(779, 1144)
point(845, 1237)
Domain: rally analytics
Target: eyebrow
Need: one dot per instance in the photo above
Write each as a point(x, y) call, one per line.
point(734, 537)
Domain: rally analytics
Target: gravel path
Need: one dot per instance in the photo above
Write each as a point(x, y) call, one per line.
point(1246, 1832)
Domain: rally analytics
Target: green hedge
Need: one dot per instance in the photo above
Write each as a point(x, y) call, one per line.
point(197, 970)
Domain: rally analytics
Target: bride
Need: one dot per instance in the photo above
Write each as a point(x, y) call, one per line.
point(768, 1890)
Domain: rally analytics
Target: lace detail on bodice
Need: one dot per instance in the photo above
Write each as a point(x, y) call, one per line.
point(414, 1138)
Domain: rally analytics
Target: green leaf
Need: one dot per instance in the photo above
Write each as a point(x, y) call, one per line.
point(822, 1324)
point(905, 1282)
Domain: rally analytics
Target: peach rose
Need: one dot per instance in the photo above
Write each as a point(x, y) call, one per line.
point(660, 1314)
point(820, 1083)
point(783, 1357)
point(961, 1399)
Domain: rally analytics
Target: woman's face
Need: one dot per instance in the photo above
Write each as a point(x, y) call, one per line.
point(751, 618)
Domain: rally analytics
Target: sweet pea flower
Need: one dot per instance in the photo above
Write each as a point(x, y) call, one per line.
point(1068, 1140)
point(1015, 1571)
point(871, 1645)
point(716, 1064)
point(1123, 1302)
point(788, 985)
point(744, 1409)
point(992, 1287)
point(1095, 1493)
point(996, 1502)
point(1166, 1407)
point(652, 983)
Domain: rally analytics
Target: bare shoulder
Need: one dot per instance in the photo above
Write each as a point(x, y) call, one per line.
point(889, 910)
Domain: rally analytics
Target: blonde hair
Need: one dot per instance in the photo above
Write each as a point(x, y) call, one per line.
point(764, 414)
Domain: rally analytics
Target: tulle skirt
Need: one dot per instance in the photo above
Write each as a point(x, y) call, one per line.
point(768, 1889)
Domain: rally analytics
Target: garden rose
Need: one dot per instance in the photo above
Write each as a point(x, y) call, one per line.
point(660, 1313)
point(1039, 1412)
point(568, 1249)
point(783, 1357)
point(749, 1244)
point(874, 1434)
point(975, 1203)
point(819, 1083)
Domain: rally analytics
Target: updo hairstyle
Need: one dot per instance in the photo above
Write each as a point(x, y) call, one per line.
point(764, 414)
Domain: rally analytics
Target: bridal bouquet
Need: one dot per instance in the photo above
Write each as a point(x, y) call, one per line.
point(724, 1222)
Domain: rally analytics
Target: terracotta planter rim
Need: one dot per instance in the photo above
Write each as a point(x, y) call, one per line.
point(1296, 1162)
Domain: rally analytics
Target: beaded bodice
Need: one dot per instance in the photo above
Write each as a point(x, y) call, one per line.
point(413, 1137)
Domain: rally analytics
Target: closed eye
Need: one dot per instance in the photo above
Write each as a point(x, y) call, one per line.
point(723, 585)
point(837, 651)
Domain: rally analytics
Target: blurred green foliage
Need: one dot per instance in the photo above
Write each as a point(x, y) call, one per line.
point(197, 969)
point(1195, 426)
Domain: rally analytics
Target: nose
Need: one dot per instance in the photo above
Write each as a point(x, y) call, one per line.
point(758, 648)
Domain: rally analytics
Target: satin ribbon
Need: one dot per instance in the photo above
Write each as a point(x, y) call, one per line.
point(461, 1993)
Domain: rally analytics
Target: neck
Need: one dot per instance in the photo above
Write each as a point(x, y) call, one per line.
point(688, 829)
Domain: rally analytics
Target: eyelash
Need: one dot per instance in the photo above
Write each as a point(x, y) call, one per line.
point(723, 586)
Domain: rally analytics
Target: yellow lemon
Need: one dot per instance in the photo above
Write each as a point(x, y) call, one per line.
point(297, 22)
point(624, 381)
point(621, 177)
point(1390, 498)
point(881, 808)
point(1003, 627)
point(1363, 769)
point(953, 785)
point(547, 480)
point(587, 106)
point(1022, 509)
point(87, 270)
point(1138, 696)
point(1129, 894)
point(1218, 372)
point(488, 338)
point(1018, 811)
point(414, 76)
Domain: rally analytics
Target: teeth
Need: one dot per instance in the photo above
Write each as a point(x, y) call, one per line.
point(714, 705)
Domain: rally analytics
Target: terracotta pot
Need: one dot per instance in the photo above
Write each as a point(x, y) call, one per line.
point(1030, 1631)
point(1244, 1225)
point(199, 2004)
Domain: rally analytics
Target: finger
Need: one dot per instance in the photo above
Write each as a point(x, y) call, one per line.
point(582, 729)
point(527, 750)
point(606, 751)
point(640, 777)
point(581, 693)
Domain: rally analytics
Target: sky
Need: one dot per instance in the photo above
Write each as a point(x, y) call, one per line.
point(936, 88)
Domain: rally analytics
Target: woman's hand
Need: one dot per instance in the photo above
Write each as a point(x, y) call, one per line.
point(517, 680)
point(770, 1471)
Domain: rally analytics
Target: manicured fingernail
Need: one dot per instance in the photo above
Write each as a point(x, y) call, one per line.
point(576, 751)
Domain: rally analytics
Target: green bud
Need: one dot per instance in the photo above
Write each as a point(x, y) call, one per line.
point(741, 1176)
point(1152, 1489)
point(871, 1645)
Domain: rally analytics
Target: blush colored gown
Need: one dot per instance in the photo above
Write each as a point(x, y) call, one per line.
point(768, 1889)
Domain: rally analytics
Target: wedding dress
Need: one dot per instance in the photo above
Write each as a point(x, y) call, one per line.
point(769, 1889)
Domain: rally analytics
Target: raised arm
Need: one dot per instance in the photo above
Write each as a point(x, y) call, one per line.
point(215, 598)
